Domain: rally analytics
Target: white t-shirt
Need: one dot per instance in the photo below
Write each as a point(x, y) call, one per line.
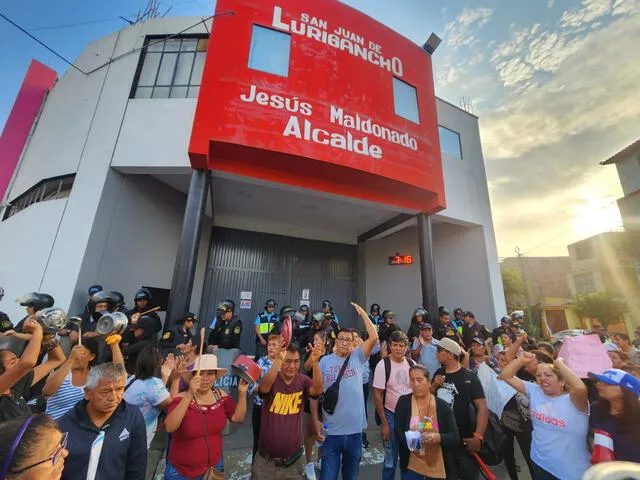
point(559, 443)
point(147, 395)
point(397, 385)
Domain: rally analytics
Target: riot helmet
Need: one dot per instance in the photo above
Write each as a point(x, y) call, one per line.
point(327, 304)
point(118, 300)
point(317, 319)
point(375, 308)
point(143, 294)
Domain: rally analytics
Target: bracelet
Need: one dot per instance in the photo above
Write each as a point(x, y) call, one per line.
point(478, 436)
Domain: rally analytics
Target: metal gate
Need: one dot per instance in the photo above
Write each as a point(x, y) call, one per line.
point(278, 267)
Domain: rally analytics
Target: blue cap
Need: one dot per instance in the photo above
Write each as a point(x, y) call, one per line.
point(95, 289)
point(619, 378)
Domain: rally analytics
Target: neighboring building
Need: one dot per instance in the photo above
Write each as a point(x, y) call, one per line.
point(106, 174)
point(543, 276)
point(627, 162)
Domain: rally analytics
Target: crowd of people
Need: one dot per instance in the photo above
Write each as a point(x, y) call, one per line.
point(450, 395)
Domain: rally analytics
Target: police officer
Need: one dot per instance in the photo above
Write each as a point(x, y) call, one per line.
point(180, 333)
point(331, 327)
point(388, 327)
point(5, 323)
point(99, 303)
point(33, 302)
point(265, 322)
point(327, 307)
point(119, 304)
point(301, 328)
point(374, 314)
point(505, 327)
point(142, 301)
point(228, 327)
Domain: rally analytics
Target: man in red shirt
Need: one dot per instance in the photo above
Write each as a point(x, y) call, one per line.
point(283, 389)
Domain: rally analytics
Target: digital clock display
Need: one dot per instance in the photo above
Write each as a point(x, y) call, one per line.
point(401, 260)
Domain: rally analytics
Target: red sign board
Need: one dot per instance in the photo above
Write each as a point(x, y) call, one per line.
point(329, 123)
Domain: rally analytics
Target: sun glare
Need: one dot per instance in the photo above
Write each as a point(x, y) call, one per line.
point(596, 215)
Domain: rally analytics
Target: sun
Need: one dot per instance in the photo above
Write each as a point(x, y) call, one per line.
point(596, 215)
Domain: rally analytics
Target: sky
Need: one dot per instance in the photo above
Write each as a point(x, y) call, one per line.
point(553, 82)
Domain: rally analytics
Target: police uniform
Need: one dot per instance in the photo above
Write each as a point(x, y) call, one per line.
point(266, 323)
point(226, 334)
point(156, 323)
point(5, 323)
point(175, 336)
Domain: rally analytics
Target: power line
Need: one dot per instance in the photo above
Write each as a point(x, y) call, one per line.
point(69, 25)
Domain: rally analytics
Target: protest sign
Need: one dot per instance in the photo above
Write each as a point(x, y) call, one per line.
point(584, 354)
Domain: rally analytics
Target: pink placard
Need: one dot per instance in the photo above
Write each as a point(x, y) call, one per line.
point(584, 354)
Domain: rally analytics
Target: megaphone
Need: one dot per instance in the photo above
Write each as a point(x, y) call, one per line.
point(112, 323)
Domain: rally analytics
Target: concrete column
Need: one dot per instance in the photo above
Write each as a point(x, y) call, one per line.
point(427, 266)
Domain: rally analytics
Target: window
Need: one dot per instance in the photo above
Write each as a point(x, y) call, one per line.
point(450, 142)
point(48, 189)
point(270, 50)
point(405, 100)
point(584, 283)
point(584, 251)
point(171, 68)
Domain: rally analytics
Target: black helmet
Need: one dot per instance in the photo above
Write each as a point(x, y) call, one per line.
point(505, 320)
point(225, 306)
point(270, 303)
point(102, 296)
point(326, 304)
point(419, 312)
point(143, 294)
point(458, 311)
point(288, 311)
point(375, 308)
point(36, 300)
point(118, 300)
point(443, 311)
point(304, 308)
point(94, 289)
point(317, 317)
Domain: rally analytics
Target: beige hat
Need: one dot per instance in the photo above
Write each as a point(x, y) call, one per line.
point(450, 346)
point(207, 362)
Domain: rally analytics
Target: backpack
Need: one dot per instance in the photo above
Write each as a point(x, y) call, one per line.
point(492, 449)
point(387, 375)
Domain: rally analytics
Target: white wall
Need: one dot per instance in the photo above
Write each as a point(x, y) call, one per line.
point(25, 245)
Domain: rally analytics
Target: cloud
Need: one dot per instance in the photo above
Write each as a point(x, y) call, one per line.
point(460, 32)
point(587, 12)
point(543, 146)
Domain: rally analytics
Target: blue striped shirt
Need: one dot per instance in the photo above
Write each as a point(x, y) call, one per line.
point(64, 399)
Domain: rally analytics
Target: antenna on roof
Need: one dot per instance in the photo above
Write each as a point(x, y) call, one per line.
point(466, 103)
point(152, 10)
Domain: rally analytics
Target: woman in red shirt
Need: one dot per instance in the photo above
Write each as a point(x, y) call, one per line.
point(193, 450)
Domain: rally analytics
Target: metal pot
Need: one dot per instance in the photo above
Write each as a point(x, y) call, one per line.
point(112, 323)
point(53, 318)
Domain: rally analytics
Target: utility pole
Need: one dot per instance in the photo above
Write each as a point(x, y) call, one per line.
point(526, 284)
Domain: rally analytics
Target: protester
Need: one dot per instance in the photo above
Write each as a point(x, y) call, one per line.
point(624, 344)
point(227, 329)
point(472, 330)
point(284, 389)
point(391, 381)
point(416, 320)
point(433, 417)
point(461, 390)
point(19, 374)
point(504, 342)
point(147, 391)
point(264, 324)
point(32, 449)
point(425, 349)
point(65, 387)
point(618, 358)
point(342, 446)
point(477, 356)
point(107, 437)
point(366, 374)
point(560, 419)
point(196, 419)
point(273, 345)
point(143, 335)
point(617, 412)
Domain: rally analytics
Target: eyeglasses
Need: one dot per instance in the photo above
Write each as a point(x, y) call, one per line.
point(53, 459)
point(343, 340)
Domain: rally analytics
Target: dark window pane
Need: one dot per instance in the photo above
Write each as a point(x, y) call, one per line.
point(178, 92)
point(143, 92)
point(149, 69)
point(193, 92)
point(198, 66)
point(167, 66)
point(183, 70)
point(161, 92)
